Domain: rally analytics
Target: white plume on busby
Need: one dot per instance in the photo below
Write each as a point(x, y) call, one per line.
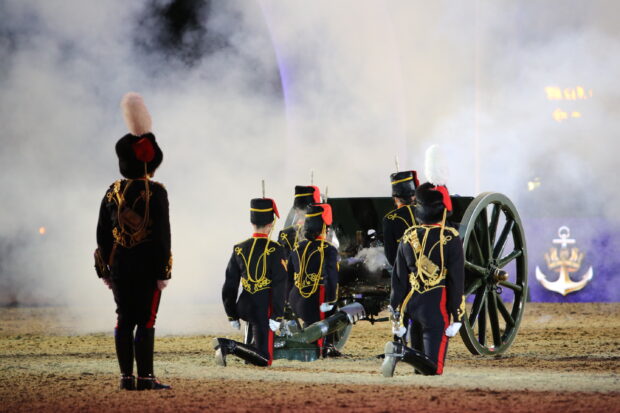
point(137, 117)
point(436, 166)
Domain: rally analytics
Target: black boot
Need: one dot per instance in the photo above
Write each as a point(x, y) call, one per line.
point(144, 345)
point(224, 346)
point(127, 383)
point(151, 383)
point(419, 361)
point(123, 340)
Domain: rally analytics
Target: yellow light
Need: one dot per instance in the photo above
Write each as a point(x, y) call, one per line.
point(569, 93)
point(531, 185)
point(575, 114)
point(559, 115)
point(553, 93)
point(42, 230)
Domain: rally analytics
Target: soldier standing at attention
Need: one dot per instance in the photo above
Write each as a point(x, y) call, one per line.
point(397, 221)
point(427, 285)
point(260, 265)
point(304, 196)
point(133, 236)
point(315, 267)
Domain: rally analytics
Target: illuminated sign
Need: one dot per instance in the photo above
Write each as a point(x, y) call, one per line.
point(572, 94)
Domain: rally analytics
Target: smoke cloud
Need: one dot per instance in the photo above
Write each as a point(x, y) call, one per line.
point(241, 91)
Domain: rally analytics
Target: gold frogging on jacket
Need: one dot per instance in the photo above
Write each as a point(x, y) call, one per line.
point(308, 283)
point(132, 227)
point(429, 274)
point(253, 284)
point(392, 216)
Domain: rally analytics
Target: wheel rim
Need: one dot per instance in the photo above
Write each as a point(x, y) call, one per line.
point(495, 273)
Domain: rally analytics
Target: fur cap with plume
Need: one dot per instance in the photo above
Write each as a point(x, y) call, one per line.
point(436, 166)
point(138, 152)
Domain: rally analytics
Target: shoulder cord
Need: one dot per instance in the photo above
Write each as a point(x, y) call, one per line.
point(411, 214)
point(302, 269)
point(417, 256)
point(262, 258)
point(121, 203)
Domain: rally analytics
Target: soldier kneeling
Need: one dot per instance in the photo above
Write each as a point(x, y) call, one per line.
point(314, 266)
point(260, 265)
point(427, 285)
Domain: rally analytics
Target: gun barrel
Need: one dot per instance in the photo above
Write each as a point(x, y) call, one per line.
point(348, 314)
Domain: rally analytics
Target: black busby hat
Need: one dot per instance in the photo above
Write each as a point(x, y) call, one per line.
point(138, 152)
point(317, 215)
point(404, 183)
point(431, 201)
point(262, 211)
point(134, 151)
point(306, 195)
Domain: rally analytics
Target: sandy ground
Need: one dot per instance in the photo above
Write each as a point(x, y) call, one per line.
point(566, 358)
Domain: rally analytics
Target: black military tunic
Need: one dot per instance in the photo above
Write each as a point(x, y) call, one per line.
point(314, 272)
point(290, 237)
point(428, 284)
point(260, 265)
point(133, 237)
point(395, 223)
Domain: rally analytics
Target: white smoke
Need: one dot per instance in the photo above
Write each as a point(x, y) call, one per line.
point(362, 81)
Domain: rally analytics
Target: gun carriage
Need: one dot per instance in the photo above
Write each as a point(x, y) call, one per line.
point(495, 269)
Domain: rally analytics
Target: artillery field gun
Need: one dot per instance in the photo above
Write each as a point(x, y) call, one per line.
point(495, 273)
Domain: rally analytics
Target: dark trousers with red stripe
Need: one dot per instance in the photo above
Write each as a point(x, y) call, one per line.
point(260, 335)
point(429, 320)
point(137, 302)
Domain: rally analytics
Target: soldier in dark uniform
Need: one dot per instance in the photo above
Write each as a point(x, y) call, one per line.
point(314, 268)
point(290, 236)
point(260, 265)
point(427, 284)
point(133, 255)
point(397, 221)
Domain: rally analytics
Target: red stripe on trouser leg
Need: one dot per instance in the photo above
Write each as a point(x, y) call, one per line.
point(444, 339)
point(154, 307)
point(269, 337)
point(321, 314)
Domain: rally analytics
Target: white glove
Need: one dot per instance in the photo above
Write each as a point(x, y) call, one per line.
point(161, 284)
point(107, 282)
point(400, 331)
point(453, 329)
point(274, 325)
point(325, 307)
point(235, 324)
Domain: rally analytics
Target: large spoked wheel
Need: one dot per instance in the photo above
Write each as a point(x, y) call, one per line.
point(495, 273)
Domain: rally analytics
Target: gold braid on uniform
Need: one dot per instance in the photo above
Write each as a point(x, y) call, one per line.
point(428, 275)
point(393, 216)
point(255, 283)
point(132, 228)
point(308, 284)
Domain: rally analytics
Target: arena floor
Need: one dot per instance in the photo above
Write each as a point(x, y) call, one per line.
point(566, 358)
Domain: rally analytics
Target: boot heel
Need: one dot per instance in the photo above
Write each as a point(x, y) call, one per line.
point(127, 383)
point(151, 383)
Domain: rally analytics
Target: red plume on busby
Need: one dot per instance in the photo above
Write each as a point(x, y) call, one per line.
point(138, 152)
point(306, 195)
